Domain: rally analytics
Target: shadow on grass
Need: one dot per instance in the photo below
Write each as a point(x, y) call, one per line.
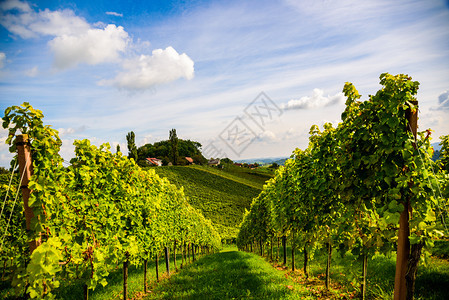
point(432, 280)
point(114, 288)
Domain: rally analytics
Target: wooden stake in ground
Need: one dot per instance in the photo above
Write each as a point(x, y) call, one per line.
point(174, 255)
point(293, 251)
point(125, 279)
point(183, 250)
point(157, 267)
point(403, 249)
point(364, 271)
point(277, 251)
point(328, 265)
point(145, 264)
point(86, 292)
point(26, 168)
point(306, 259)
point(167, 260)
point(284, 245)
point(188, 252)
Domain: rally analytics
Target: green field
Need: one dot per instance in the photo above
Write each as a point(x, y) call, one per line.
point(222, 195)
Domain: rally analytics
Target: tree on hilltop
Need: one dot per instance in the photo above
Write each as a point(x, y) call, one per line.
point(174, 146)
point(132, 149)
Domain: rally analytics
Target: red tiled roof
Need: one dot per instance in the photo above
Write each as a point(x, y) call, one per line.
point(154, 161)
point(189, 159)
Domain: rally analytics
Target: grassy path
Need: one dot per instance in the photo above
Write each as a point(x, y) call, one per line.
point(229, 275)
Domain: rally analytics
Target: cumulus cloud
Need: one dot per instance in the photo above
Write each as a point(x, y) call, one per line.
point(145, 71)
point(92, 47)
point(15, 4)
point(20, 19)
point(74, 39)
point(267, 136)
point(32, 72)
point(2, 59)
point(113, 13)
point(317, 100)
point(146, 139)
point(70, 130)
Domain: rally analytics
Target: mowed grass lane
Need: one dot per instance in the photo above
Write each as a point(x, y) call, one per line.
point(229, 275)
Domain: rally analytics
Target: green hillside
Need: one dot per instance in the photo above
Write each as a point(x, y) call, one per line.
point(221, 194)
point(255, 178)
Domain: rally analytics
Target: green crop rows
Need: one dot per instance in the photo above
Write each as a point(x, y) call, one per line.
point(221, 196)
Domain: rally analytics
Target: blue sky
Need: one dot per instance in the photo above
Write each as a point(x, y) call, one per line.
point(99, 69)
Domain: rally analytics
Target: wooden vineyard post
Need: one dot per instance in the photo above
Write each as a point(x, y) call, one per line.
point(293, 251)
point(277, 252)
point(188, 253)
point(403, 249)
point(167, 260)
point(145, 265)
point(125, 279)
point(157, 266)
point(26, 168)
point(174, 255)
point(284, 246)
point(306, 259)
point(86, 292)
point(183, 249)
point(364, 271)
point(328, 264)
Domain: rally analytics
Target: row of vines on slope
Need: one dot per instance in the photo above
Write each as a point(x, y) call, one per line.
point(348, 188)
point(101, 211)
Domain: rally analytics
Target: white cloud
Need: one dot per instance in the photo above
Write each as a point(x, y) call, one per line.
point(145, 140)
point(15, 4)
point(145, 71)
point(70, 130)
point(267, 136)
point(65, 131)
point(75, 40)
point(92, 47)
point(67, 150)
point(317, 100)
point(32, 72)
point(2, 59)
point(113, 13)
point(58, 23)
point(21, 20)
point(5, 155)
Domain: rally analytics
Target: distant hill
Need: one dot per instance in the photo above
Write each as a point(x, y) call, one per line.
point(436, 146)
point(437, 149)
point(264, 161)
point(221, 194)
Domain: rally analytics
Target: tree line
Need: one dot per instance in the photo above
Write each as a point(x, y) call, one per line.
point(172, 151)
